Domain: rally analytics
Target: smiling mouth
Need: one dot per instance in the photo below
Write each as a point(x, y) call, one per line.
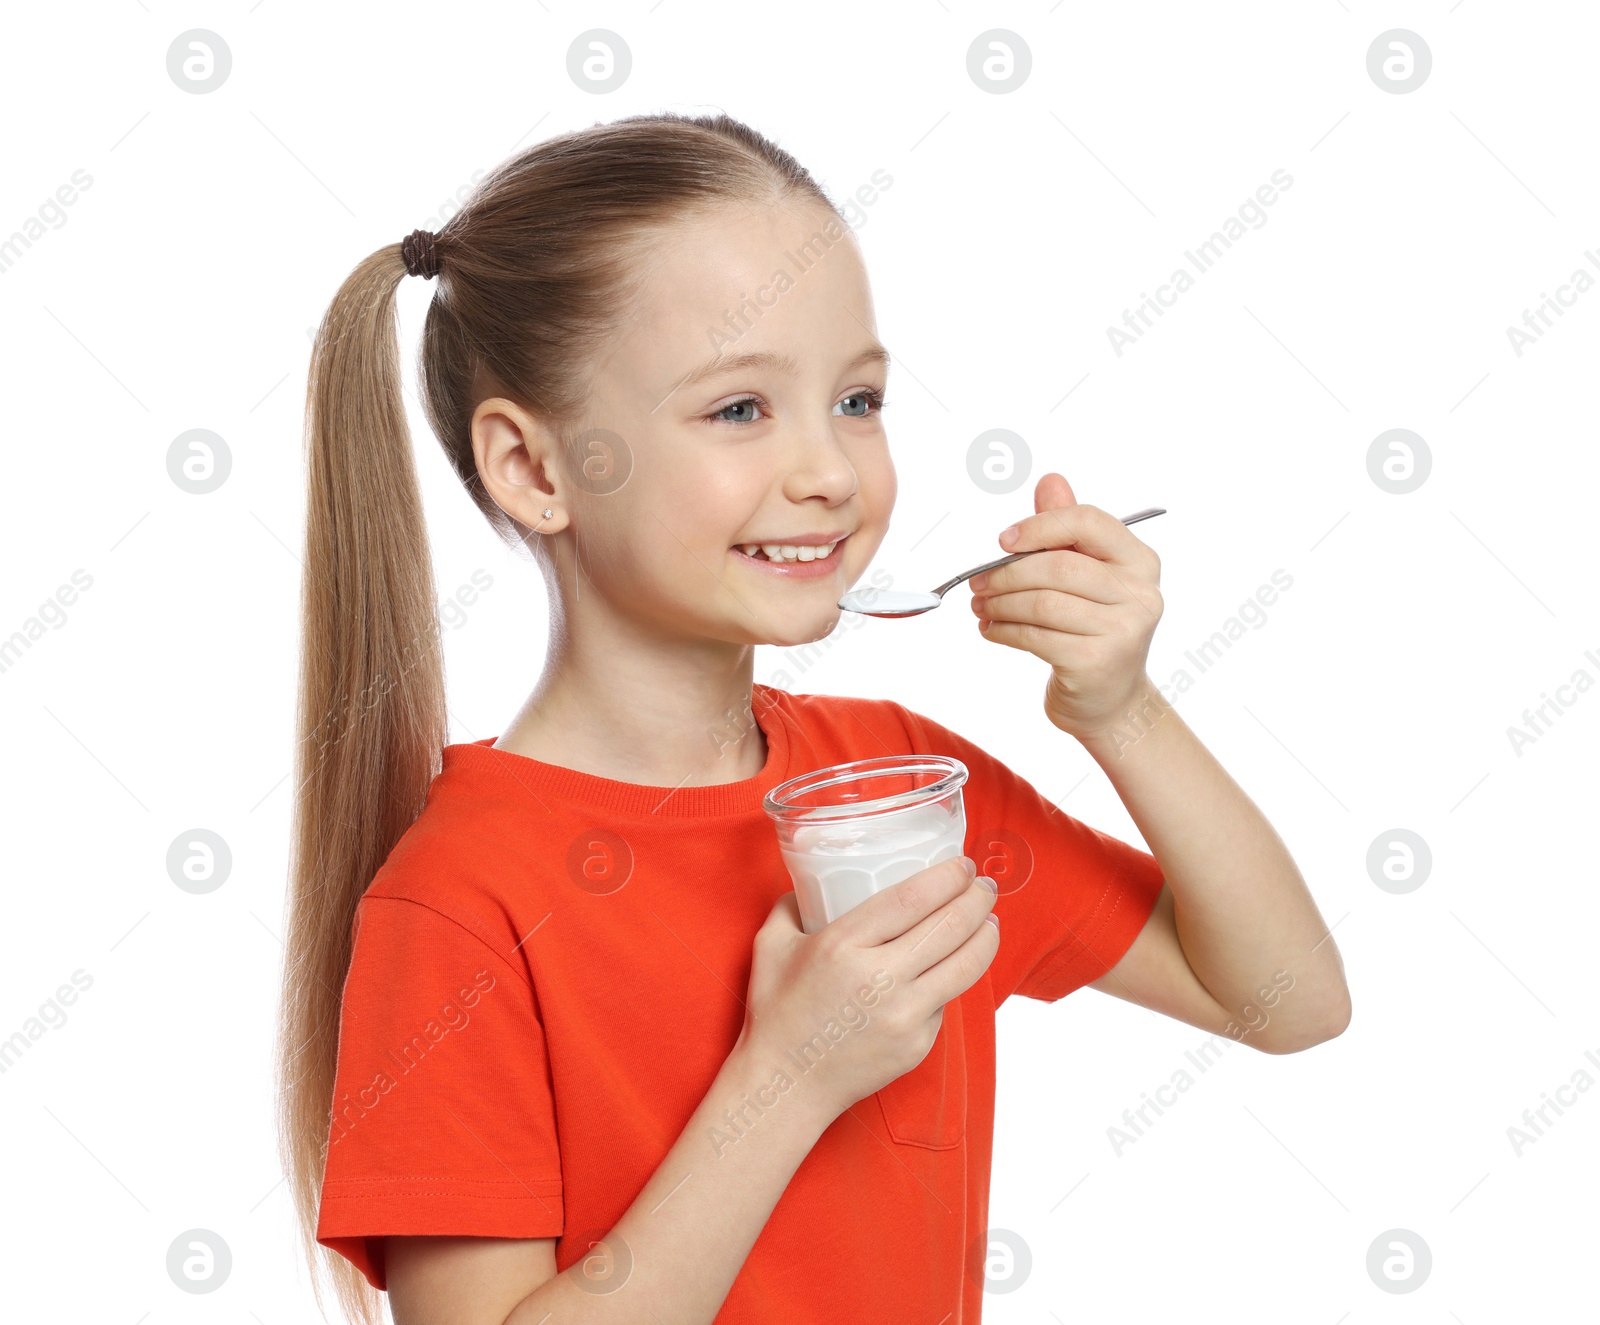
point(789, 553)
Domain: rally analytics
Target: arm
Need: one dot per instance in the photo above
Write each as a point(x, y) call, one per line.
point(699, 1210)
point(1236, 943)
point(1234, 930)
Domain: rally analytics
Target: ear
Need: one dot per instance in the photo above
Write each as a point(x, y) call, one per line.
point(517, 458)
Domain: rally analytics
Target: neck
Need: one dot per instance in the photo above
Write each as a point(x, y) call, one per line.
point(646, 710)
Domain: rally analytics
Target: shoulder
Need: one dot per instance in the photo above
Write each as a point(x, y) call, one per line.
point(467, 855)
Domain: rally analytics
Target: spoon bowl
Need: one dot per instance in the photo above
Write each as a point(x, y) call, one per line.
point(892, 604)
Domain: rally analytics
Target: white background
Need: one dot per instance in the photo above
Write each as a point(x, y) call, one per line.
point(1377, 695)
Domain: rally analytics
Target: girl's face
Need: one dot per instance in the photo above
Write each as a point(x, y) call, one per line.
point(746, 395)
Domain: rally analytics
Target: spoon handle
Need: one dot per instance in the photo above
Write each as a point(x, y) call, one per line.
point(1018, 556)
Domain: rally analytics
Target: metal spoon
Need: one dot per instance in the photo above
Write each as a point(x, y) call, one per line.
point(888, 603)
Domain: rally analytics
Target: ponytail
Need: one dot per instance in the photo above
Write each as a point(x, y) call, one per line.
point(536, 275)
point(371, 721)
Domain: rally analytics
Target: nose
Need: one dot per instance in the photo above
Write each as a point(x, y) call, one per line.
point(817, 466)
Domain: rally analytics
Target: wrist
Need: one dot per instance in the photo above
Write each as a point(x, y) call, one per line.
point(1143, 712)
point(759, 1078)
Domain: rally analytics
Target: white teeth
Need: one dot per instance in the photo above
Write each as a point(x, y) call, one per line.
point(789, 551)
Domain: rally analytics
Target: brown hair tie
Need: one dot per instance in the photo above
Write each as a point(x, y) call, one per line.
point(421, 258)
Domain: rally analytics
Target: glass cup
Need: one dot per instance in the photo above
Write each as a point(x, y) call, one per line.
point(852, 830)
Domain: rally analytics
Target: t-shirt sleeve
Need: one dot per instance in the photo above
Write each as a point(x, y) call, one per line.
point(443, 1112)
point(1072, 899)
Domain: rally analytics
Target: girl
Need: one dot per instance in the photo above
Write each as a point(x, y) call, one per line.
point(547, 1005)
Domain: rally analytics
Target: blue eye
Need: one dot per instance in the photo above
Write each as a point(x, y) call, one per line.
point(738, 404)
point(874, 401)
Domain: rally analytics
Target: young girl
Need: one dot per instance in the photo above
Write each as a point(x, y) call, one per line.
point(548, 1006)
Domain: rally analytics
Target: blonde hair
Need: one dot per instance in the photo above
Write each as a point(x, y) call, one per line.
point(536, 271)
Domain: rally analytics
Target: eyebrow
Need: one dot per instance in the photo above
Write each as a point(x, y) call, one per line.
point(785, 363)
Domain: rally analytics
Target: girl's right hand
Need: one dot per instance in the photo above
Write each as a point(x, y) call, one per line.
point(848, 1009)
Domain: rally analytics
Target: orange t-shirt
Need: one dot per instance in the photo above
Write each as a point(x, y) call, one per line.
point(549, 971)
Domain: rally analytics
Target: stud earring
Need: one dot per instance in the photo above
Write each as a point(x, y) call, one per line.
point(547, 512)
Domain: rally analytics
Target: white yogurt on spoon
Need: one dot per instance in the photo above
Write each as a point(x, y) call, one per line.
point(887, 602)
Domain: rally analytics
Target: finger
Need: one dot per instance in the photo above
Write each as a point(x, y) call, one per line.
point(1060, 568)
point(784, 915)
point(933, 939)
point(1134, 587)
point(1059, 648)
point(946, 980)
point(893, 911)
point(1050, 608)
point(1091, 530)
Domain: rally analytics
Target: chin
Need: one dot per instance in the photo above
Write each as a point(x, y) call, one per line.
point(809, 631)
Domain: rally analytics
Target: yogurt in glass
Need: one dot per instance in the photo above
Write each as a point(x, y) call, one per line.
point(854, 829)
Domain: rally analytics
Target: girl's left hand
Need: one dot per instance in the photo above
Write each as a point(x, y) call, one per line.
point(1088, 607)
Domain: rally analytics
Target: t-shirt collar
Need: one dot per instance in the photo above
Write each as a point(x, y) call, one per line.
point(570, 786)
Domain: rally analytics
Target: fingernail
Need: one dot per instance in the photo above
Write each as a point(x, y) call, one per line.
point(984, 881)
point(1008, 536)
point(978, 581)
point(971, 867)
point(993, 919)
